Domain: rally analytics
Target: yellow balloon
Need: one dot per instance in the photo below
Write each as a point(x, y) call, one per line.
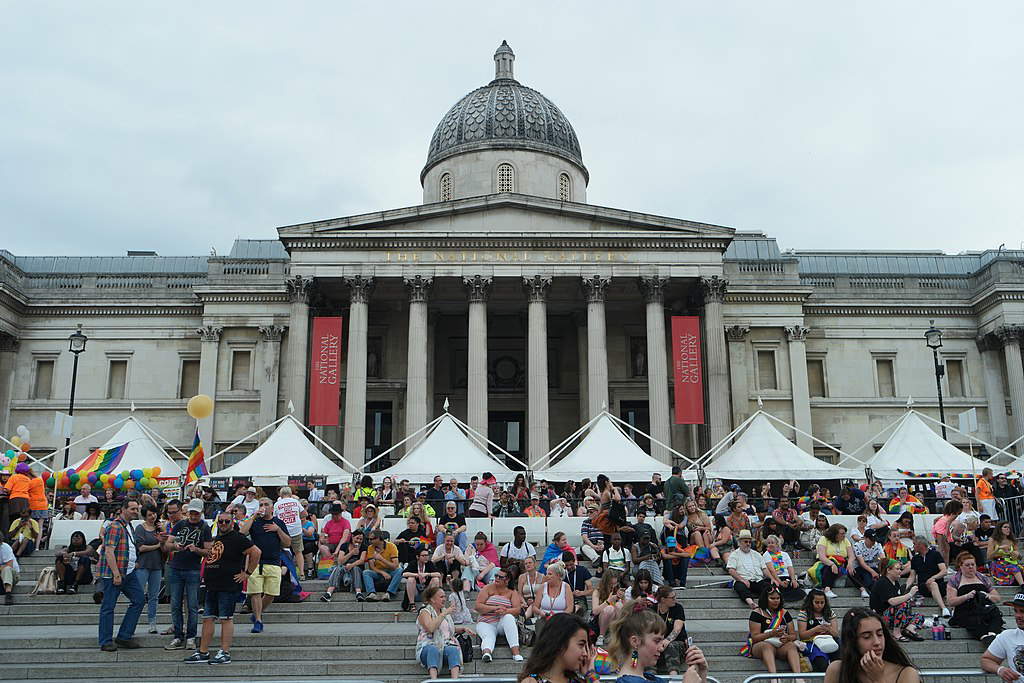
point(16, 440)
point(200, 406)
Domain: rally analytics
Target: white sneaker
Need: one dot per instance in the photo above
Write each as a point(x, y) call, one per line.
point(190, 644)
point(864, 593)
point(517, 658)
point(486, 657)
point(945, 611)
point(830, 594)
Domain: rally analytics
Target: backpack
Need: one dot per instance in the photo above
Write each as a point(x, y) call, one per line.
point(46, 584)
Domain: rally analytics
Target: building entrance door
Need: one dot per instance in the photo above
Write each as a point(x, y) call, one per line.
point(508, 430)
point(378, 434)
point(637, 414)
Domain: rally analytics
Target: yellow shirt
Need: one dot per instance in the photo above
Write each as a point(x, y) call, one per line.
point(374, 558)
point(841, 549)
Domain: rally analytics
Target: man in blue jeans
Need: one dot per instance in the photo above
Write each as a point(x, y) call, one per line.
point(190, 540)
point(382, 569)
point(118, 575)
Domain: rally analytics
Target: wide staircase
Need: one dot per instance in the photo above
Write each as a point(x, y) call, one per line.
point(53, 637)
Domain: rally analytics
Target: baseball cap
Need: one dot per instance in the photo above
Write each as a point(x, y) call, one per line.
point(1018, 600)
point(195, 505)
point(251, 489)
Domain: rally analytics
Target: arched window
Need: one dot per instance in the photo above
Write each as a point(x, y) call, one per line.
point(506, 178)
point(446, 187)
point(564, 187)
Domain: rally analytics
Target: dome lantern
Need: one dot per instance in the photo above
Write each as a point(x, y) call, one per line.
point(503, 59)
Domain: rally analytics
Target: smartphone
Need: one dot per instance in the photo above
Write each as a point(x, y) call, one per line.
point(689, 642)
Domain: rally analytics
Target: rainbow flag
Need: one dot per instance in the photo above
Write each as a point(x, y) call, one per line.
point(698, 554)
point(913, 503)
point(103, 460)
point(324, 566)
point(940, 475)
point(196, 460)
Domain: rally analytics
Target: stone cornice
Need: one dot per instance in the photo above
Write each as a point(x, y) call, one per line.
point(874, 309)
point(244, 298)
point(141, 310)
point(586, 212)
point(396, 241)
point(764, 298)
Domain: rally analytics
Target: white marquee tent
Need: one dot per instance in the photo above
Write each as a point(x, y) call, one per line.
point(142, 452)
point(762, 453)
point(448, 451)
point(915, 447)
point(286, 452)
point(606, 449)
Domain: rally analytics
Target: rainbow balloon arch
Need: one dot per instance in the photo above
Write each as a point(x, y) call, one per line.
point(142, 479)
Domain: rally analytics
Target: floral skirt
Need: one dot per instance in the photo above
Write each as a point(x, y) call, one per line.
point(1002, 569)
point(901, 616)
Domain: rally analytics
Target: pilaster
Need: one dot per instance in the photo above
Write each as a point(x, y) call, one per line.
point(538, 437)
point(354, 449)
point(477, 291)
point(300, 290)
point(418, 288)
point(269, 379)
point(717, 369)
point(1010, 336)
point(653, 289)
point(797, 336)
point(736, 335)
point(597, 345)
point(208, 358)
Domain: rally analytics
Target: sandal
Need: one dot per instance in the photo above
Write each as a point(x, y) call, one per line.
point(902, 638)
point(914, 636)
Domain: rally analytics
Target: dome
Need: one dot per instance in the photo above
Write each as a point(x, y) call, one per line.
point(504, 114)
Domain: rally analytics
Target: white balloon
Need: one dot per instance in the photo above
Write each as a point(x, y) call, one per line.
point(23, 432)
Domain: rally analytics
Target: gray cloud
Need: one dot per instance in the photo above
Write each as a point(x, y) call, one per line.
point(872, 126)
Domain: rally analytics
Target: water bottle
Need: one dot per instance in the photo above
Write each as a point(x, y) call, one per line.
point(937, 628)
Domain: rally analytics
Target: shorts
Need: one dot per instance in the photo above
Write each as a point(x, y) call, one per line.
point(40, 514)
point(266, 580)
point(297, 544)
point(221, 604)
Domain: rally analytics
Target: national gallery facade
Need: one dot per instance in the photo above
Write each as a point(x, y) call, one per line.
point(526, 307)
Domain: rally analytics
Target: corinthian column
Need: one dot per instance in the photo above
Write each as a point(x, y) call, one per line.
point(299, 290)
point(736, 335)
point(715, 353)
point(360, 289)
point(597, 345)
point(477, 289)
point(995, 395)
point(8, 354)
point(538, 439)
point(653, 289)
point(416, 367)
point(797, 336)
point(269, 379)
point(1010, 335)
point(210, 334)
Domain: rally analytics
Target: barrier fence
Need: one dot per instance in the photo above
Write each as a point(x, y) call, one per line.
point(936, 675)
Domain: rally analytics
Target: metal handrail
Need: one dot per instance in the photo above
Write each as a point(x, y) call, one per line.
point(511, 679)
point(923, 673)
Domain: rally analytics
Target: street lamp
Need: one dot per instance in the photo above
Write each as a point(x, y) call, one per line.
point(933, 338)
point(76, 345)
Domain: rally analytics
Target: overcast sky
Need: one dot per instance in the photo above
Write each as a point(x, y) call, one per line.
point(178, 127)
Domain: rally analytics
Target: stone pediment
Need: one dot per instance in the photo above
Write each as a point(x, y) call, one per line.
point(505, 216)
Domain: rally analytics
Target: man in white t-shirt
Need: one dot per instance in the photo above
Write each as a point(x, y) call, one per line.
point(249, 501)
point(747, 569)
point(1005, 654)
point(9, 570)
point(517, 549)
point(84, 498)
point(288, 508)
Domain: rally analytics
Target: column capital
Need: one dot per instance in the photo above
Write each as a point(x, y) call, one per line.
point(653, 288)
point(1010, 334)
point(714, 289)
point(537, 287)
point(797, 333)
point(478, 288)
point(737, 333)
point(988, 342)
point(594, 286)
point(419, 288)
point(210, 333)
point(272, 333)
point(359, 289)
point(299, 289)
point(8, 342)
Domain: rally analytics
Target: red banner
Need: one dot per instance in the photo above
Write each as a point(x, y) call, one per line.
point(686, 370)
point(325, 372)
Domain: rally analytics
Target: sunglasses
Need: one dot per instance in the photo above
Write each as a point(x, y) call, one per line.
point(223, 521)
point(501, 576)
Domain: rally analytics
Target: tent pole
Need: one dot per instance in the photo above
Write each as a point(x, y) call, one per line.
point(429, 425)
point(475, 434)
point(800, 431)
point(850, 456)
point(321, 441)
point(545, 460)
point(619, 420)
point(243, 439)
point(711, 452)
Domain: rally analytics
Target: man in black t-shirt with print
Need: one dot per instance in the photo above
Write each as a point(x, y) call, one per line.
point(231, 560)
point(928, 572)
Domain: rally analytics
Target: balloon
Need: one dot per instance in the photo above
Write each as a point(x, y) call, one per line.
point(147, 471)
point(16, 440)
point(129, 484)
point(50, 482)
point(156, 471)
point(22, 431)
point(9, 453)
point(153, 483)
point(25, 446)
point(200, 406)
point(118, 483)
point(4, 461)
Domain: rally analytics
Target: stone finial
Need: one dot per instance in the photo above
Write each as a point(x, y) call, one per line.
point(537, 287)
point(419, 288)
point(210, 333)
point(594, 286)
point(714, 289)
point(503, 59)
point(653, 288)
point(359, 289)
point(477, 287)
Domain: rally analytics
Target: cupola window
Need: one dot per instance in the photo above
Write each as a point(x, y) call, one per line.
point(564, 187)
point(506, 178)
point(446, 187)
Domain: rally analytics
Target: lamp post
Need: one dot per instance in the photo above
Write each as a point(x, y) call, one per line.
point(76, 345)
point(933, 338)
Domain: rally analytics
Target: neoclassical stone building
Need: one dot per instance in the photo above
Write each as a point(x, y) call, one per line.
point(527, 307)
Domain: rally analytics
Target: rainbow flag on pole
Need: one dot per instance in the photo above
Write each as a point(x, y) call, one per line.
point(196, 468)
point(103, 460)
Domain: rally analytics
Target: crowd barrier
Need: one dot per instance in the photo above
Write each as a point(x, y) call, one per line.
point(539, 530)
point(509, 679)
point(937, 675)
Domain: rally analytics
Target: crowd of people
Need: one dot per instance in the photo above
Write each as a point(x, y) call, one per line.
point(463, 587)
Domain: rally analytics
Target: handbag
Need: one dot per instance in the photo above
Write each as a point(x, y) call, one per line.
point(826, 644)
point(466, 645)
point(46, 584)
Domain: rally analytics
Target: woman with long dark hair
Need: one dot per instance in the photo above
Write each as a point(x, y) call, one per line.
point(868, 652)
point(564, 655)
point(772, 633)
point(817, 626)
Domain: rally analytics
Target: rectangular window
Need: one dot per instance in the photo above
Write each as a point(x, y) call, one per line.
point(886, 377)
point(766, 375)
point(638, 356)
point(189, 384)
point(241, 361)
point(117, 378)
point(44, 379)
point(826, 455)
point(816, 377)
point(955, 377)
